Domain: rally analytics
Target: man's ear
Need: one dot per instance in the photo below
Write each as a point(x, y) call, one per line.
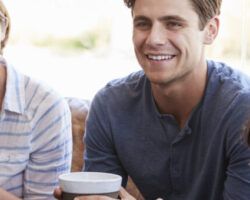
point(211, 30)
point(4, 27)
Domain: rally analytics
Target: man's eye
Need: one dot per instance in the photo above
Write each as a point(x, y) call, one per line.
point(142, 25)
point(174, 25)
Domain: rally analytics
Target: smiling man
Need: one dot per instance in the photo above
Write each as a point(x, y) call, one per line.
point(176, 127)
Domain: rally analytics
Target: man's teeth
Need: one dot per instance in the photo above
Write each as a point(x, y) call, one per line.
point(160, 57)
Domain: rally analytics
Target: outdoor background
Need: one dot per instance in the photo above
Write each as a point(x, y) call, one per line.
point(77, 46)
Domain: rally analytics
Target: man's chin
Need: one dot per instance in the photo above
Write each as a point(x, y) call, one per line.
point(158, 81)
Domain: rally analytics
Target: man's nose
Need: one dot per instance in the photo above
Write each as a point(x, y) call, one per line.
point(157, 35)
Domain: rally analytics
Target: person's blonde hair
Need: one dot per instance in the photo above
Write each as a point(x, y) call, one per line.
point(5, 23)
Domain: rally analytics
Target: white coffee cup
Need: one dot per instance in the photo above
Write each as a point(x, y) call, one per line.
point(89, 183)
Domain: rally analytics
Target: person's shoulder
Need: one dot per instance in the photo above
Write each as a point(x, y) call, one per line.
point(122, 90)
point(131, 79)
point(40, 95)
point(131, 82)
point(228, 75)
point(37, 87)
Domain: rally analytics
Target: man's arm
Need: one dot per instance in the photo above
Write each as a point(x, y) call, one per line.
point(51, 145)
point(100, 154)
point(237, 184)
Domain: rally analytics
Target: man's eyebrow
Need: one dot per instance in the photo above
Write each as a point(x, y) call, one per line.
point(140, 17)
point(164, 18)
point(172, 17)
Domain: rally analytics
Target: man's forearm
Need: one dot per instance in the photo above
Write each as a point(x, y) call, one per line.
point(4, 195)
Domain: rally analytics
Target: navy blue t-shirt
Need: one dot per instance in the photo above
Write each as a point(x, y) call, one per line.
point(205, 160)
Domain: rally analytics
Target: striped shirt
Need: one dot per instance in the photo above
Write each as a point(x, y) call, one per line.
point(35, 138)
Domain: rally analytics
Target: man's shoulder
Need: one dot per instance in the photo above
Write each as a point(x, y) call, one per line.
point(228, 90)
point(42, 97)
point(130, 79)
point(123, 91)
point(227, 76)
point(38, 88)
point(130, 83)
point(24, 93)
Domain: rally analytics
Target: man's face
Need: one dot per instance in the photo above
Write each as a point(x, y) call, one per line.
point(167, 40)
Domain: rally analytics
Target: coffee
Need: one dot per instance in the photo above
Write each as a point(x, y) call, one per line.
point(89, 183)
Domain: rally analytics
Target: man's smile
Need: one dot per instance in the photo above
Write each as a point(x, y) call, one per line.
point(160, 57)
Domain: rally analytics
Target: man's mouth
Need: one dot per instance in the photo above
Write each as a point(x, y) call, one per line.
point(160, 57)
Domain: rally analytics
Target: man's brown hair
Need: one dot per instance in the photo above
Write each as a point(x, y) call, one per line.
point(206, 9)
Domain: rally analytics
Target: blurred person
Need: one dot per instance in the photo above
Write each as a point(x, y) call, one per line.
point(175, 127)
point(35, 132)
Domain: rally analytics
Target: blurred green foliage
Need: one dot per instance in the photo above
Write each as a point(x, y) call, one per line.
point(89, 40)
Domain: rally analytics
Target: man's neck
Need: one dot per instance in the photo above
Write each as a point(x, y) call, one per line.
point(3, 78)
point(180, 98)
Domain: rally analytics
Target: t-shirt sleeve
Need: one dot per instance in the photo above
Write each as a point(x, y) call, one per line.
point(100, 154)
point(237, 183)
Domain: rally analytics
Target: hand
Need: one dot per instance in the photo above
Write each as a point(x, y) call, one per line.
point(125, 195)
point(58, 193)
